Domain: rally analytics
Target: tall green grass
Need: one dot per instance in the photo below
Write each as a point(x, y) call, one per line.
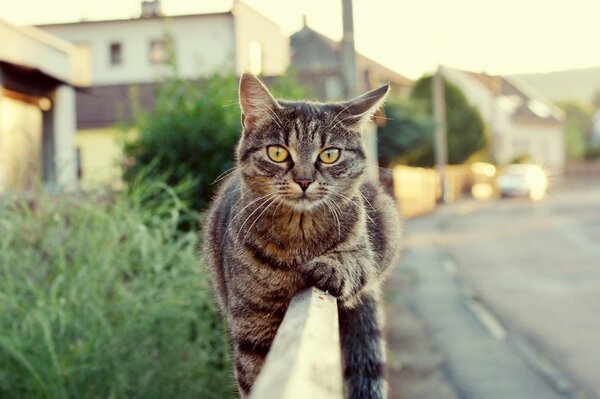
point(106, 298)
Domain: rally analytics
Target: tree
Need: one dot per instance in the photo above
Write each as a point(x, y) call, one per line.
point(465, 127)
point(406, 134)
point(578, 128)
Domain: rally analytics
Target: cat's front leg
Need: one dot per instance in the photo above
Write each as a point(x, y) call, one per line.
point(342, 273)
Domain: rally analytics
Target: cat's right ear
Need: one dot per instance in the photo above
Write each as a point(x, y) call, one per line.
point(256, 102)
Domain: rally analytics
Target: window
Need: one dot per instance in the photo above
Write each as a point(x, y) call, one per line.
point(116, 54)
point(158, 53)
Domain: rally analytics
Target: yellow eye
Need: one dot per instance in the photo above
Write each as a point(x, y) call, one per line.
point(329, 155)
point(277, 153)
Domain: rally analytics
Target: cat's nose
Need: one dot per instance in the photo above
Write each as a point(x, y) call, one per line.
point(303, 183)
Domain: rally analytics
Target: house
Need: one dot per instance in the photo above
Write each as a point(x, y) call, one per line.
point(130, 55)
point(521, 122)
point(317, 60)
point(39, 75)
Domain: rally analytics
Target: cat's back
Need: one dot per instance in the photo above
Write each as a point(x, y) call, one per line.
point(220, 209)
point(214, 231)
point(384, 225)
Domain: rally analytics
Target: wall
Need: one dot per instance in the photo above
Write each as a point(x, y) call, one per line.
point(101, 156)
point(203, 43)
point(249, 26)
point(20, 139)
point(415, 189)
point(544, 144)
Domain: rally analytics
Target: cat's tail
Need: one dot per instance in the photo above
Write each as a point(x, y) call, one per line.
point(363, 349)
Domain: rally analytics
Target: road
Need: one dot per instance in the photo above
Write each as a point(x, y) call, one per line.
point(509, 291)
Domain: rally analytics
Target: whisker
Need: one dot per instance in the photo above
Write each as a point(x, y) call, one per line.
point(342, 120)
point(276, 209)
point(349, 199)
point(259, 216)
point(233, 102)
point(224, 175)
point(368, 202)
point(229, 225)
point(271, 196)
point(328, 203)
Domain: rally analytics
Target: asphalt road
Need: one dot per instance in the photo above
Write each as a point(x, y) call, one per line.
point(537, 266)
point(509, 292)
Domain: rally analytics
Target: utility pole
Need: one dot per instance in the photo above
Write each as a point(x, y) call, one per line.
point(348, 51)
point(351, 85)
point(441, 139)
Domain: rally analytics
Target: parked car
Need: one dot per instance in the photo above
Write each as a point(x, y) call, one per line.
point(522, 180)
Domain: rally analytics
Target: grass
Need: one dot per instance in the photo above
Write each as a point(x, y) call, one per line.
point(106, 298)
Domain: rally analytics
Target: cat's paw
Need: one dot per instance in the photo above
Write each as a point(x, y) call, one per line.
point(324, 276)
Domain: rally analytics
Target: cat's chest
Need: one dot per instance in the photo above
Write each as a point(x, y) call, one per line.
point(295, 239)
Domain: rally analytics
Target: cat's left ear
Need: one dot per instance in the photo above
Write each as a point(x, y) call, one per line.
point(256, 102)
point(362, 108)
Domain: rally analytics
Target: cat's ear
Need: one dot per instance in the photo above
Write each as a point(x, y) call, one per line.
point(256, 102)
point(362, 108)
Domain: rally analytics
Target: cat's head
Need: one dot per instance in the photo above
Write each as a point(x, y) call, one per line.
point(303, 154)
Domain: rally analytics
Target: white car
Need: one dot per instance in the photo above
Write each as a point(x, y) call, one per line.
point(522, 180)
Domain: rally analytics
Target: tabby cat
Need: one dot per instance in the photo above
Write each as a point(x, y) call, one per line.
point(297, 212)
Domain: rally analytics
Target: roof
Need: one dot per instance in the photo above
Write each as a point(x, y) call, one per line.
point(520, 101)
point(45, 55)
point(104, 106)
point(361, 60)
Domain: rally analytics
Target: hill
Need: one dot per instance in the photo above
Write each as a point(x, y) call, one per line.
point(574, 84)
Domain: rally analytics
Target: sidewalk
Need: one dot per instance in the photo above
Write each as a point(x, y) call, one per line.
point(442, 342)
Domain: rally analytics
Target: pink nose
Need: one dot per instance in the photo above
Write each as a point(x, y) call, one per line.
point(303, 183)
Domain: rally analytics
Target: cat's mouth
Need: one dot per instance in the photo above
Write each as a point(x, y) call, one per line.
point(303, 202)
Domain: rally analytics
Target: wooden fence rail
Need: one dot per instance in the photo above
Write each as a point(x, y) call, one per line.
point(305, 357)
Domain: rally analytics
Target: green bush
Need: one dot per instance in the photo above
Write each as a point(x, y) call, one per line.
point(100, 298)
point(592, 153)
point(407, 132)
point(193, 130)
point(578, 128)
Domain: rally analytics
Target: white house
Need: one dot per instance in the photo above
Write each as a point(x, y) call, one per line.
point(520, 121)
point(134, 52)
point(38, 77)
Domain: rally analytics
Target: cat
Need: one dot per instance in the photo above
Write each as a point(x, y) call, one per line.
point(298, 211)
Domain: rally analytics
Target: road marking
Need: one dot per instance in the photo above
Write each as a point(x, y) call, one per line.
point(545, 368)
point(450, 267)
point(487, 320)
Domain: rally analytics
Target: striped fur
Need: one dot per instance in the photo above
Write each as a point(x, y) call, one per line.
point(264, 241)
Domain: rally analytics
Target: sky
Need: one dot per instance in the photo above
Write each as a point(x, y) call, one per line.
point(410, 36)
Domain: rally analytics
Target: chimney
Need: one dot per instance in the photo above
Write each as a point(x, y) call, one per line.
point(151, 8)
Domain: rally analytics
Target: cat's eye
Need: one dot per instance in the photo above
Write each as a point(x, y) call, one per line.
point(277, 153)
point(329, 155)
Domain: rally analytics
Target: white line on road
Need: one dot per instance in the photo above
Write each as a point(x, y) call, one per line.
point(487, 319)
point(449, 267)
